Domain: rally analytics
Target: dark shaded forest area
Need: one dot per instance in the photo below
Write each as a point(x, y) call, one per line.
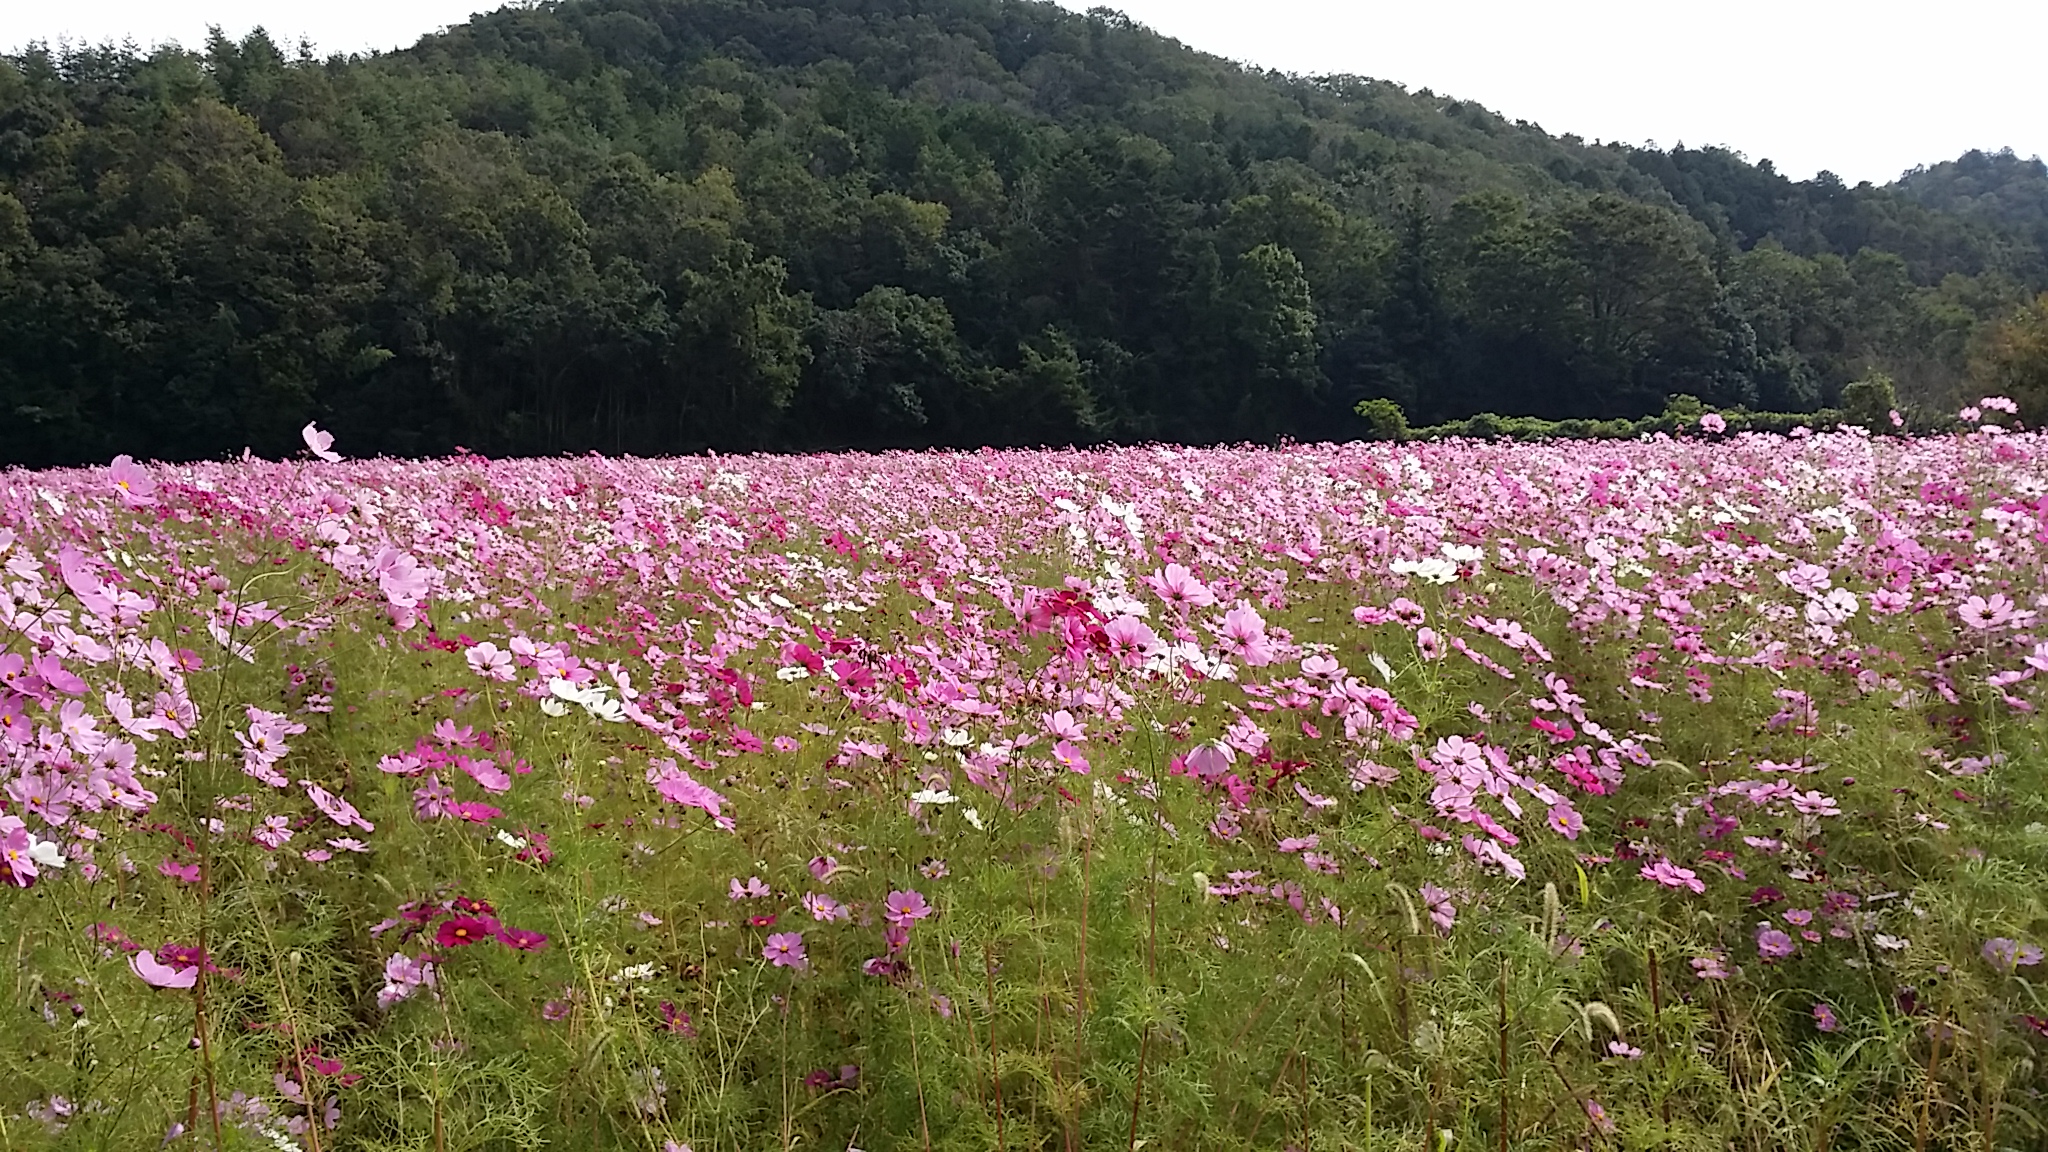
point(658, 226)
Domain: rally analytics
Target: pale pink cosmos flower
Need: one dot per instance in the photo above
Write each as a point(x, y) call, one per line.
point(492, 663)
point(1210, 761)
point(1712, 422)
point(1807, 579)
point(335, 808)
point(157, 974)
point(1063, 725)
point(320, 443)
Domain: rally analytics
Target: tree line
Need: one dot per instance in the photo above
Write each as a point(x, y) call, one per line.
point(655, 226)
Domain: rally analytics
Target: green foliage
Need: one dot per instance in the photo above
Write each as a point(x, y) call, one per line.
point(1870, 402)
point(2013, 359)
point(1384, 420)
point(1681, 416)
point(653, 226)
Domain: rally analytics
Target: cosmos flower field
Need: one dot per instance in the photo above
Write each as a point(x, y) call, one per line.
point(1678, 793)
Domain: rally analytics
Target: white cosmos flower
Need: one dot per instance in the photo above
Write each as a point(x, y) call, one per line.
point(46, 853)
point(1433, 569)
point(792, 674)
point(974, 818)
point(929, 796)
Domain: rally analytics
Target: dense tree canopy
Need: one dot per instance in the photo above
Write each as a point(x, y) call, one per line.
point(665, 225)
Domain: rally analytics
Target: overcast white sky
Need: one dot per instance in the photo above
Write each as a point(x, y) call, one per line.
point(1866, 88)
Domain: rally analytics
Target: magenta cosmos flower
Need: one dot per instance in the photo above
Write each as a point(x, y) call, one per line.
point(458, 931)
point(522, 939)
point(786, 950)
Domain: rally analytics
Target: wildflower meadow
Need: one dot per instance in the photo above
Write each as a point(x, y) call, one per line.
point(1678, 793)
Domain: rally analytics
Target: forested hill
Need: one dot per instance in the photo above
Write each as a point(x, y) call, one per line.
point(663, 225)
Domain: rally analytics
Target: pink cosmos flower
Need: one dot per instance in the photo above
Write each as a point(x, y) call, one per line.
point(335, 808)
point(2008, 955)
point(18, 865)
point(401, 578)
point(1986, 614)
point(1428, 644)
point(403, 978)
point(1063, 725)
point(1178, 586)
point(1372, 774)
point(1772, 944)
point(1672, 876)
point(1243, 634)
point(678, 787)
point(905, 908)
point(825, 908)
point(157, 974)
point(320, 443)
point(1442, 912)
point(1712, 422)
point(1599, 1116)
point(487, 775)
point(1209, 762)
point(1132, 641)
point(1824, 1018)
point(786, 950)
point(132, 482)
point(1070, 757)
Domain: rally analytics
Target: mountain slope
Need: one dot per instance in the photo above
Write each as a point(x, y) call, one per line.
point(660, 225)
